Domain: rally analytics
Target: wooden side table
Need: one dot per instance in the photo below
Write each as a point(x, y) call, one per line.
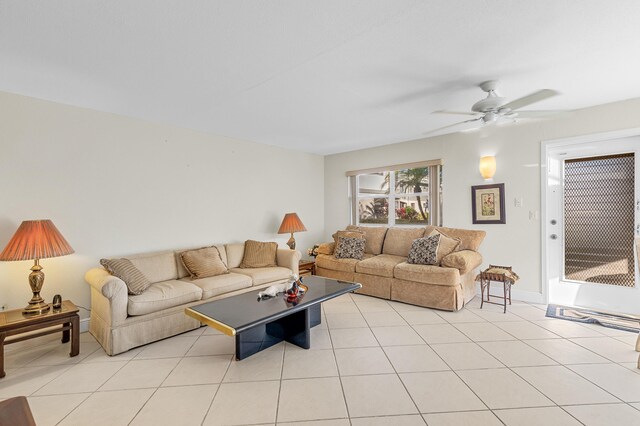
point(503, 274)
point(14, 323)
point(306, 267)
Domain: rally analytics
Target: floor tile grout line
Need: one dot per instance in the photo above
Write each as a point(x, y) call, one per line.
point(284, 355)
point(335, 359)
point(590, 350)
point(548, 397)
point(535, 387)
point(393, 366)
point(526, 342)
point(469, 387)
point(163, 380)
point(216, 392)
point(452, 370)
point(75, 408)
point(75, 365)
point(143, 405)
point(593, 383)
point(340, 375)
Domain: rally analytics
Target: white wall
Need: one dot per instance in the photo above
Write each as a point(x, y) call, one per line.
point(517, 150)
point(115, 185)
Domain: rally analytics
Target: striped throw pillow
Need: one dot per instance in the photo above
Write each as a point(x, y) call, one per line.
point(123, 268)
point(204, 262)
point(258, 254)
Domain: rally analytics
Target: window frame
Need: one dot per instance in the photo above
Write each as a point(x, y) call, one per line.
point(433, 194)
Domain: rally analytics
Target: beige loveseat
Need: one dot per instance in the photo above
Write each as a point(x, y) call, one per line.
point(385, 273)
point(120, 321)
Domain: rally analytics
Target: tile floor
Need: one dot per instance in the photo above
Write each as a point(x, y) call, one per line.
point(372, 362)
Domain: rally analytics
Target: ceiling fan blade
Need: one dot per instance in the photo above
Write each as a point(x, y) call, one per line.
point(541, 113)
point(442, 111)
point(451, 125)
point(534, 97)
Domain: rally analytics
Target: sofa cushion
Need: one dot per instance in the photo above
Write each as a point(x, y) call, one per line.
point(258, 254)
point(464, 261)
point(349, 248)
point(213, 286)
point(373, 235)
point(204, 262)
point(264, 275)
point(182, 271)
point(163, 295)
point(235, 252)
point(328, 261)
point(424, 251)
point(135, 280)
point(156, 267)
point(447, 245)
point(429, 274)
point(326, 248)
point(398, 240)
point(347, 234)
point(381, 265)
point(469, 239)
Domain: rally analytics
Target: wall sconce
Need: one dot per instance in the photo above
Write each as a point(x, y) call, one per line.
point(487, 166)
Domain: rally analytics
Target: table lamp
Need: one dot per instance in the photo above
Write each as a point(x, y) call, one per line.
point(290, 224)
point(35, 240)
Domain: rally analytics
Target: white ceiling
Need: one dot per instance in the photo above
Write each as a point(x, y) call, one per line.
point(318, 76)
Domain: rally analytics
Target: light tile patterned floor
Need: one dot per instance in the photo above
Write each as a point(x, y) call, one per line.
point(372, 362)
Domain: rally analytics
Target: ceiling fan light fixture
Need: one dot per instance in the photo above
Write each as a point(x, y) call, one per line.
point(490, 117)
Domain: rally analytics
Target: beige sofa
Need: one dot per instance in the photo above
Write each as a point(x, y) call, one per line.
point(385, 273)
point(120, 321)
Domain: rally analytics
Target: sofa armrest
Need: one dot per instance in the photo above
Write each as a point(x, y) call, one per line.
point(289, 259)
point(109, 296)
point(463, 260)
point(326, 248)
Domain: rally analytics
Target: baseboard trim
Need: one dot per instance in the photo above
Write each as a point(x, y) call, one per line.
point(84, 325)
point(522, 295)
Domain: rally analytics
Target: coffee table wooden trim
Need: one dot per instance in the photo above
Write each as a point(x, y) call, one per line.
point(220, 326)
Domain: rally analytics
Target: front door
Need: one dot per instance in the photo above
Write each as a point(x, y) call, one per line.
point(593, 204)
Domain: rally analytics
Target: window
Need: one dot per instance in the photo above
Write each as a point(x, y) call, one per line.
point(406, 194)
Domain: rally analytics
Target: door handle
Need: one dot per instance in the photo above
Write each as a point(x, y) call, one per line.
point(554, 237)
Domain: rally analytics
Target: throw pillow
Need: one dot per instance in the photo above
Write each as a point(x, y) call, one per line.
point(373, 235)
point(424, 250)
point(398, 240)
point(326, 248)
point(123, 268)
point(446, 246)
point(350, 248)
point(258, 254)
point(204, 262)
point(347, 234)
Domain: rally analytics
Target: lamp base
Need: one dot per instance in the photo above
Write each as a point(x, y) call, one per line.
point(292, 242)
point(37, 305)
point(36, 308)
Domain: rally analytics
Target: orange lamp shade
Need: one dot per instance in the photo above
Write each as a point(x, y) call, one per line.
point(36, 239)
point(290, 224)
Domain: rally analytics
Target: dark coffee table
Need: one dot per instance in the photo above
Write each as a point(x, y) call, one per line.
point(258, 325)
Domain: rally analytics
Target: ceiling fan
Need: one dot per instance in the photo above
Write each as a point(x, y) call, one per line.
point(495, 108)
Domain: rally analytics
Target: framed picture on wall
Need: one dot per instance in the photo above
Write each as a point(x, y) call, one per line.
point(487, 202)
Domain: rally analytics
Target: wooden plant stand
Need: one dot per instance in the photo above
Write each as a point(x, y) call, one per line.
point(502, 274)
